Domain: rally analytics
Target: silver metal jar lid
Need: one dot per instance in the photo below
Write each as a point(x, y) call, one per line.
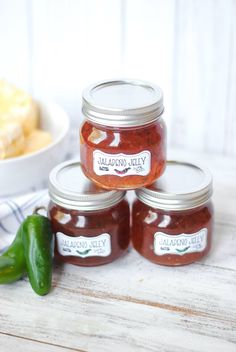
point(69, 188)
point(182, 186)
point(122, 103)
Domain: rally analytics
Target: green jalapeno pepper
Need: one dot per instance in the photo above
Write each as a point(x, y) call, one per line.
point(37, 240)
point(31, 252)
point(12, 262)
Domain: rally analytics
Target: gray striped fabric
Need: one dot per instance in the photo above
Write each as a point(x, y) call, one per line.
point(14, 210)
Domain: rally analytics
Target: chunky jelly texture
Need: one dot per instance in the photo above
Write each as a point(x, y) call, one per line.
point(74, 223)
point(128, 141)
point(146, 221)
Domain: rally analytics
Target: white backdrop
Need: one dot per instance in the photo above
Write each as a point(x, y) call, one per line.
point(54, 48)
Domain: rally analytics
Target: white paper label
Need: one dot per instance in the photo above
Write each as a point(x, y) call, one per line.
point(81, 246)
point(122, 164)
point(180, 244)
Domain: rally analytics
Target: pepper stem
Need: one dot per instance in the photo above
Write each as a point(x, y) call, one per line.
point(37, 209)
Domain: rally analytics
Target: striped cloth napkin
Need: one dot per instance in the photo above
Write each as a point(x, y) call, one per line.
point(14, 210)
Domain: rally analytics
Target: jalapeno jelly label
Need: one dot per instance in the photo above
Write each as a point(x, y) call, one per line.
point(180, 244)
point(122, 164)
point(81, 246)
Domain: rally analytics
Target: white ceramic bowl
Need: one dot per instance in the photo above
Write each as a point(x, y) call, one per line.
point(24, 173)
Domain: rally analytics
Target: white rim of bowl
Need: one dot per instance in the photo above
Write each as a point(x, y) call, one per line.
point(49, 146)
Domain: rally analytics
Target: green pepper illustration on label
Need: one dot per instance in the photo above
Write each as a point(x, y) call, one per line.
point(84, 253)
point(182, 250)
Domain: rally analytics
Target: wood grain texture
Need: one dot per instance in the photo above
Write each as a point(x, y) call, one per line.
point(56, 48)
point(149, 44)
point(15, 60)
point(132, 304)
point(202, 74)
point(75, 43)
point(230, 130)
point(13, 343)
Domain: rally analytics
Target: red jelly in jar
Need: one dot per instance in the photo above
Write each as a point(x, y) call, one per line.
point(173, 218)
point(123, 137)
point(91, 225)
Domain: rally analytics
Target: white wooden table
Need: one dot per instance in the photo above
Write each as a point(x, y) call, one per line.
point(134, 305)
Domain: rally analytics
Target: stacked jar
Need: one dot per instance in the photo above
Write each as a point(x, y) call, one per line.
point(123, 147)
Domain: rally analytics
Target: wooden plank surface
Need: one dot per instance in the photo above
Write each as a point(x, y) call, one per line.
point(15, 58)
point(204, 47)
point(134, 305)
point(75, 43)
point(230, 129)
point(148, 45)
point(19, 344)
point(56, 48)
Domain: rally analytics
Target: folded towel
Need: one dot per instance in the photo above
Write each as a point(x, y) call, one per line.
point(14, 210)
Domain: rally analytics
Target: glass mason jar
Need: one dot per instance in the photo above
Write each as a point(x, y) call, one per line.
point(173, 218)
point(90, 224)
point(123, 137)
